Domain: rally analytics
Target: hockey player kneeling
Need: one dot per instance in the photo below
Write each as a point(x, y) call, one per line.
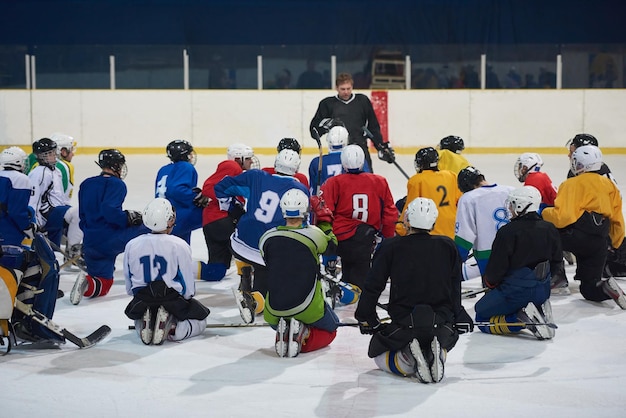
point(158, 269)
point(32, 277)
point(295, 306)
point(524, 253)
point(424, 300)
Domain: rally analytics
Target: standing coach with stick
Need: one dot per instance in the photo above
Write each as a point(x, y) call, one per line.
point(356, 112)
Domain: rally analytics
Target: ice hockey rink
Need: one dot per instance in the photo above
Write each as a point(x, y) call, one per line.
point(234, 372)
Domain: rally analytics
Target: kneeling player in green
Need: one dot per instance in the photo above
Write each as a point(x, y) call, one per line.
point(295, 305)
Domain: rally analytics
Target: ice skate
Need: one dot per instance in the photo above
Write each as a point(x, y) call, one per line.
point(247, 305)
point(297, 334)
point(162, 325)
point(79, 288)
point(530, 314)
point(146, 325)
point(612, 289)
point(422, 370)
point(282, 337)
point(546, 310)
point(569, 257)
point(559, 286)
point(439, 358)
point(332, 292)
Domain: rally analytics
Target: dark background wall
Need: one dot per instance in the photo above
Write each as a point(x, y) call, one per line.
point(316, 22)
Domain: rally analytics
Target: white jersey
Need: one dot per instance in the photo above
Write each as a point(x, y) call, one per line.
point(480, 213)
point(47, 191)
point(152, 257)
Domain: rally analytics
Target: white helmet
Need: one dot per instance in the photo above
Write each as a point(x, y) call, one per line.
point(352, 158)
point(523, 200)
point(294, 204)
point(526, 163)
point(242, 151)
point(13, 158)
point(159, 215)
point(337, 138)
point(63, 141)
point(287, 162)
point(586, 158)
point(421, 213)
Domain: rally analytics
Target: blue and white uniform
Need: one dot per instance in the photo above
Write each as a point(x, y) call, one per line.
point(15, 217)
point(175, 182)
point(262, 192)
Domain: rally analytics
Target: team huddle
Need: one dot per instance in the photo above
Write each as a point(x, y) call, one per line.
point(305, 246)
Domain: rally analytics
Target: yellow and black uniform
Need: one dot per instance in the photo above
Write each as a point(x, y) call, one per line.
point(588, 211)
point(452, 161)
point(440, 186)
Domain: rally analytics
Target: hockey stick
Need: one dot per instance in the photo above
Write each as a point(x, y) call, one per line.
point(262, 324)
point(467, 294)
point(84, 342)
point(317, 138)
point(369, 135)
point(73, 261)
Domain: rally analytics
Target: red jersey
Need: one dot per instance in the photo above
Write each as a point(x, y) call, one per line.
point(360, 198)
point(542, 182)
point(212, 211)
point(299, 176)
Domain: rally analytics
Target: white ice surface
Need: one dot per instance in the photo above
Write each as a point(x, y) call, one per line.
point(235, 372)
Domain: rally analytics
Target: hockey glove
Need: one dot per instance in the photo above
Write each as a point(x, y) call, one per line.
point(200, 200)
point(386, 153)
point(371, 327)
point(31, 230)
point(133, 218)
point(464, 322)
point(321, 212)
point(236, 210)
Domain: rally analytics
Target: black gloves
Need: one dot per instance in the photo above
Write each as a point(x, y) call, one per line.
point(327, 124)
point(371, 327)
point(236, 210)
point(464, 322)
point(133, 218)
point(199, 199)
point(386, 153)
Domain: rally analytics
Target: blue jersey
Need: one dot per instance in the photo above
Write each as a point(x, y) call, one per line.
point(15, 217)
point(104, 223)
point(262, 192)
point(331, 166)
point(175, 182)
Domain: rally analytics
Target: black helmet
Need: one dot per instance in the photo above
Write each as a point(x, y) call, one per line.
point(426, 159)
point(180, 150)
point(452, 143)
point(113, 159)
point(43, 149)
point(582, 139)
point(469, 178)
point(289, 143)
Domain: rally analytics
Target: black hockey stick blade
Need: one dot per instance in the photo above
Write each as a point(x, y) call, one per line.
point(90, 340)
